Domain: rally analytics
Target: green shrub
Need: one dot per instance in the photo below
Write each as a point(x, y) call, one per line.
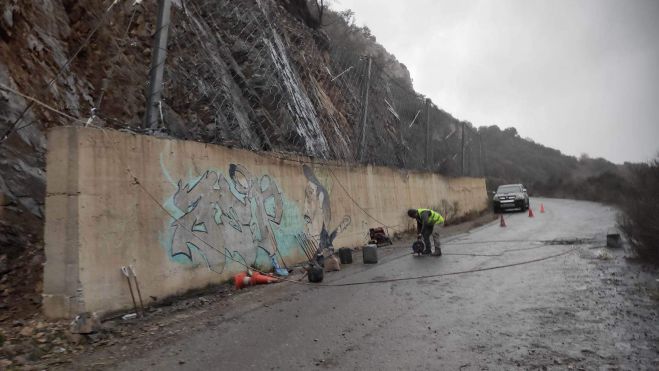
point(640, 219)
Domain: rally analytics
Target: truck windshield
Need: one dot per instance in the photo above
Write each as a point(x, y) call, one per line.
point(509, 189)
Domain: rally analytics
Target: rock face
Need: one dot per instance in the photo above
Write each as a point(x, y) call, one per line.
point(22, 179)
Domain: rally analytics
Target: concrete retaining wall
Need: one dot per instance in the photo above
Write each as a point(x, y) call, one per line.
point(187, 214)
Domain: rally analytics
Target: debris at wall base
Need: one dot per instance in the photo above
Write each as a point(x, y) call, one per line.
point(85, 323)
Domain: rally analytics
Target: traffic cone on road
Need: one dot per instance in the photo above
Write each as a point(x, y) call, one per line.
point(258, 278)
point(542, 208)
point(502, 222)
point(531, 213)
point(241, 280)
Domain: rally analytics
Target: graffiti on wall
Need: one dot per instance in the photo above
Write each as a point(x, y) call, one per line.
point(237, 217)
point(223, 214)
point(318, 212)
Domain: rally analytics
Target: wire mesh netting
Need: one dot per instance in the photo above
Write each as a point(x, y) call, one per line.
point(250, 75)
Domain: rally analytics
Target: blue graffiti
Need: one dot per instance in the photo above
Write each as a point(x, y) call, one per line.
point(226, 217)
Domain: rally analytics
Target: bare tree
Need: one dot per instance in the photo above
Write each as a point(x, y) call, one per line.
point(320, 8)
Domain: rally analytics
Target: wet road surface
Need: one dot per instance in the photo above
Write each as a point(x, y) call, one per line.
point(565, 312)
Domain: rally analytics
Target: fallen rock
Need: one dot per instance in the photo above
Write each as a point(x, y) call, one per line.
point(85, 323)
point(4, 265)
point(5, 363)
point(95, 338)
point(9, 350)
point(74, 338)
point(26, 331)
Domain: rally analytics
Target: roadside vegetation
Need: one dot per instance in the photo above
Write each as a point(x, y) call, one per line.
point(545, 171)
point(632, 187)
point(640, 220)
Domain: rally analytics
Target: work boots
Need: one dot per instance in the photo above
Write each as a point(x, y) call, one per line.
point(438, 252)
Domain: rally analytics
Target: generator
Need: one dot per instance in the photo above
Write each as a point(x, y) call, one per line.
point(379, 237)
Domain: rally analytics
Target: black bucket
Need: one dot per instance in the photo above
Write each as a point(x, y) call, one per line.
point(315, 273)
point(345, 255)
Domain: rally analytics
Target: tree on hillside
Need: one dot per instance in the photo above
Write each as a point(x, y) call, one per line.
point(640, 220)
point(316, 9)
point(320, 9)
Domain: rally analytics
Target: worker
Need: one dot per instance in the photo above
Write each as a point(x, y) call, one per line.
point(426, 220)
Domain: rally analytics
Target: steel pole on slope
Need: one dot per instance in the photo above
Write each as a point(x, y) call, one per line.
point(427, 133)
point(462, 157)
point(362, 139)
point(158, 55)
point(484, 158)
point(480, 154)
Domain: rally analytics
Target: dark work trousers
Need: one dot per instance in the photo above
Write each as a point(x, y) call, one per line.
point(426, 233)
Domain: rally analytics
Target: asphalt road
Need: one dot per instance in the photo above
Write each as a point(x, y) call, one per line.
point(563, 312)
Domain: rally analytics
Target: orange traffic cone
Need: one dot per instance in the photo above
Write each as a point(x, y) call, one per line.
point(503, 222)
point(241, 280)
point(258, 278)
point(531, 213)
point(542, 208)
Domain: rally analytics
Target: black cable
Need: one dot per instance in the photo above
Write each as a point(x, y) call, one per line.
point(358, 205)
point(501, 253)
point(39, 103)
point(450, 273)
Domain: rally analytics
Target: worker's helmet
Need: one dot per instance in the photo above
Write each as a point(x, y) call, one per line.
point(411, 213)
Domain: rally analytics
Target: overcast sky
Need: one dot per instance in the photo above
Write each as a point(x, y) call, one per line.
point(581, 76)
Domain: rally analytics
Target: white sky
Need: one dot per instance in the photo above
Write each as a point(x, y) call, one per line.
point(581, 76)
